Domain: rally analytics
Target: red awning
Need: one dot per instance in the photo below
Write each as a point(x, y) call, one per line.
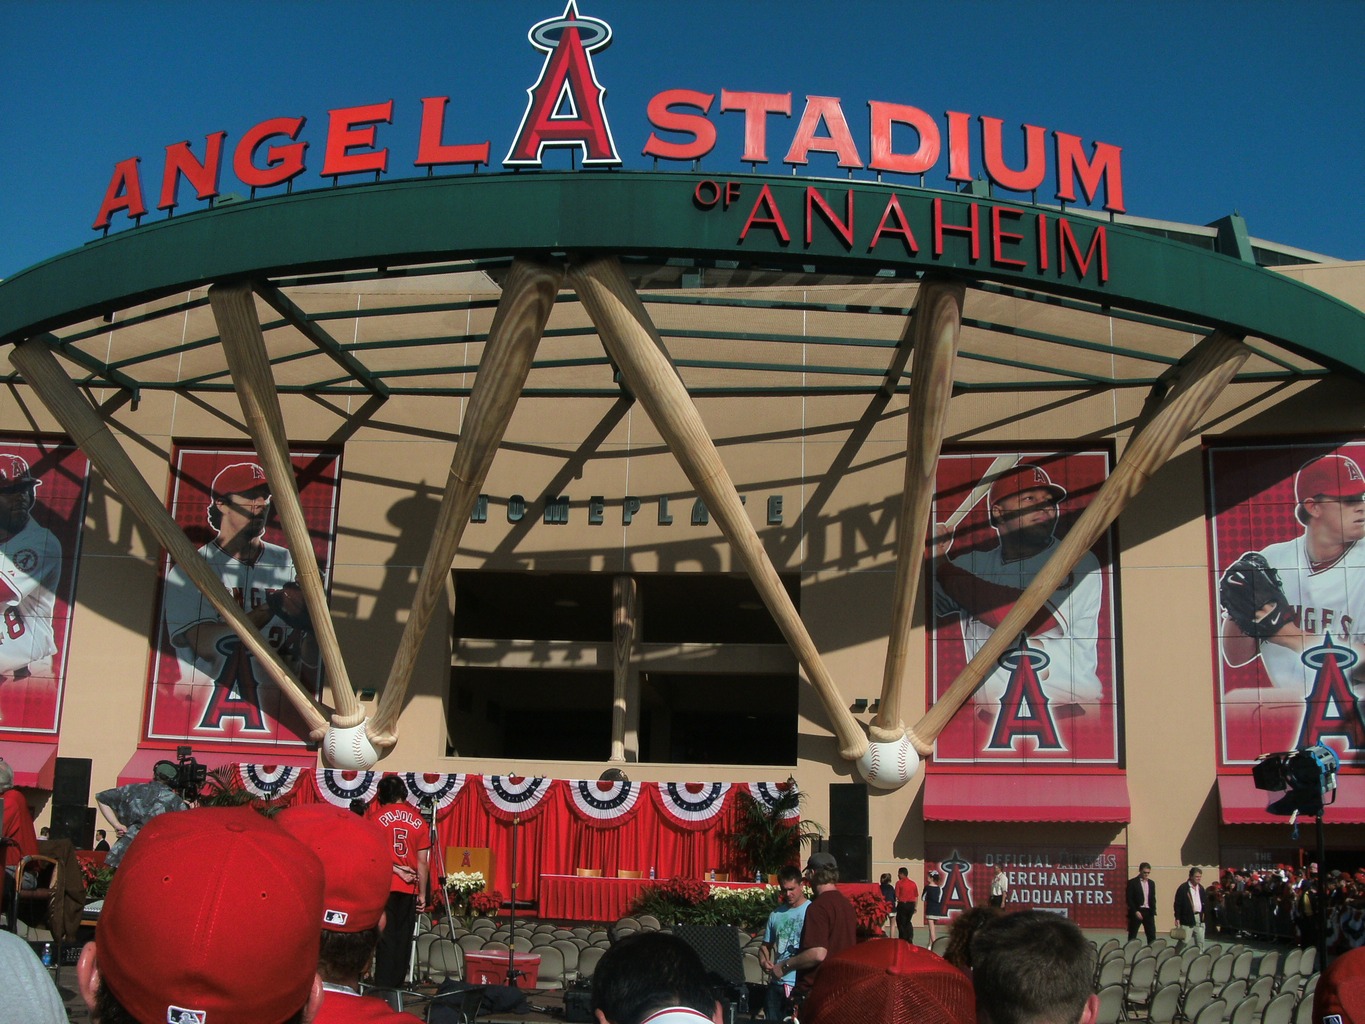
point(139, 767)
point(1241, 803)
point(1025, 796)
point(33, 763)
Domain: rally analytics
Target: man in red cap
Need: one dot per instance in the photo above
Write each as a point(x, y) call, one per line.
point(357, 865)
point(980, 586)
point(1340, 995)
point(230, 692)
point(886, 981)
point(212, 918)
point(1297, 605)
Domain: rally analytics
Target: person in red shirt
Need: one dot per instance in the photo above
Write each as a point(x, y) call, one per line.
point(411, 839)
point(19, 838)
point(357, 864)
point(831, 924)
point(907, 902)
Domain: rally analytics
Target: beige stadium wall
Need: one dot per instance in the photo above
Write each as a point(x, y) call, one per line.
point(836, 462)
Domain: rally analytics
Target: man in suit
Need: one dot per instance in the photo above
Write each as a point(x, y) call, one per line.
point(1142, 903)
point(1191, 904)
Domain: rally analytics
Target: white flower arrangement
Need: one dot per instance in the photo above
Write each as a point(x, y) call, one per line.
point(465, 883)
point(749, 892)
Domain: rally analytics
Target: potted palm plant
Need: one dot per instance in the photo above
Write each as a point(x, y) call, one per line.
point(769, 835)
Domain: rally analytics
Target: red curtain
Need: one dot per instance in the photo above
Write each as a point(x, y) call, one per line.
point(552, 839)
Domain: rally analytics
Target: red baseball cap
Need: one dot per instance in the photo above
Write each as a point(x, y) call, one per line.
point(1331, 476)
point(197, 893)
point(238, 478)
point(357, 862)
point(1024, 477)
point(889, 980)
point(14, 471)
point(1340, 996)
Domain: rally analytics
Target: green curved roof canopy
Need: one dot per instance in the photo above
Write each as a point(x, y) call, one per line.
point(697, 221)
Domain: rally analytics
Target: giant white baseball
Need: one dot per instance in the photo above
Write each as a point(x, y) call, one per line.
point(349, 748)
point(889, 765)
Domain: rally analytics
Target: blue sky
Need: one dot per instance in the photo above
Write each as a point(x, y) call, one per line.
point(1254, 106)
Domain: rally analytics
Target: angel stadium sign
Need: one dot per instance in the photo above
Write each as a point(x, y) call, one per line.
point(566, 109)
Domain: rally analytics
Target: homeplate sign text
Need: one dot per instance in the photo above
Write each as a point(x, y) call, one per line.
point(566, 109)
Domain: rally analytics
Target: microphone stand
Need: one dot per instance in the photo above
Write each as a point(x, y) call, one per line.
point(512, 973)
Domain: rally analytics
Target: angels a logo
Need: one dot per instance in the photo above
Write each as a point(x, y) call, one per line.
point(957, 883)
point(1332, 708)
point(1024, 707)
point(565, 106)
point(235, 691)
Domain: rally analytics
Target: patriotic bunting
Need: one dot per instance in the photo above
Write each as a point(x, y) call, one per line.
point(340, 788)
point(604, 804)
point(692, 804)
point(268, 781)
point(511, 795)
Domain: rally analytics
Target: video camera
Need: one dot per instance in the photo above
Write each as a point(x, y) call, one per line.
point(185, 775)
point(1307, 776)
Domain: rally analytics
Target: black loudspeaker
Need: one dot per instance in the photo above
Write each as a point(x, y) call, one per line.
point(847, 809)
point(721, 955)
point(74, 822)
point(854, 854)
point(71, 781)
point(719, 949)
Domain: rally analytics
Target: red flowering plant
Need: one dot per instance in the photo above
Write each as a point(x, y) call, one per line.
point(872, 912)
point(685, 891)
point(485, 903)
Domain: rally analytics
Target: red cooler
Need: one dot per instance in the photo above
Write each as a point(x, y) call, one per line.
point(490, 968)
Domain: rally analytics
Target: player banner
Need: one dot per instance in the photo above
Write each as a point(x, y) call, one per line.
point(42, 509)
point(205, 687)
point(1289, 597)
point(1054, 695)
point(1083, 882)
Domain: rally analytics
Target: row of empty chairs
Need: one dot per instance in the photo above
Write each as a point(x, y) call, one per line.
point(565, 953)
point(1162, 984)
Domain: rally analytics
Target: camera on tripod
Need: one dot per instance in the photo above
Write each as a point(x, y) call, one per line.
point(185, 775)
point(1307, 776)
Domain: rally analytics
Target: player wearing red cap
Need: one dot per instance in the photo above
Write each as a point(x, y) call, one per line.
point(230, 692)
point(357, 866)
point(1299, 606)
point(212, 918)
point(30, 566)
point(981, 586)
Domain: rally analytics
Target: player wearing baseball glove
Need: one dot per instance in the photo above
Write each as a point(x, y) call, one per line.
point(1252, 595)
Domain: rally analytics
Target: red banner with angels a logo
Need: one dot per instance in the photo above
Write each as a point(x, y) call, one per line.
point(205, 687)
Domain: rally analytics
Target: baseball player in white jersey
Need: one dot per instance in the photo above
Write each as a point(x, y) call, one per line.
point(30, 567)
point(1301, 602)
point(980, 587)
point(261, 576)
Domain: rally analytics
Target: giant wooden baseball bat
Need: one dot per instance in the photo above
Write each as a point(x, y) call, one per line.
point(634, 345)
point(935, 328)
point(239, 329)
point(623, 600)
point(40, 368)
point(1213, 363)
point(528, 296)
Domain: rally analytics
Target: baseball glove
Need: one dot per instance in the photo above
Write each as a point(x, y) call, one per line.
point(1250, 585)
point(289, 606)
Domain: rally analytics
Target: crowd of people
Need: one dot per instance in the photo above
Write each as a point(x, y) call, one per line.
point(1282, 903)
point(313, 888)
